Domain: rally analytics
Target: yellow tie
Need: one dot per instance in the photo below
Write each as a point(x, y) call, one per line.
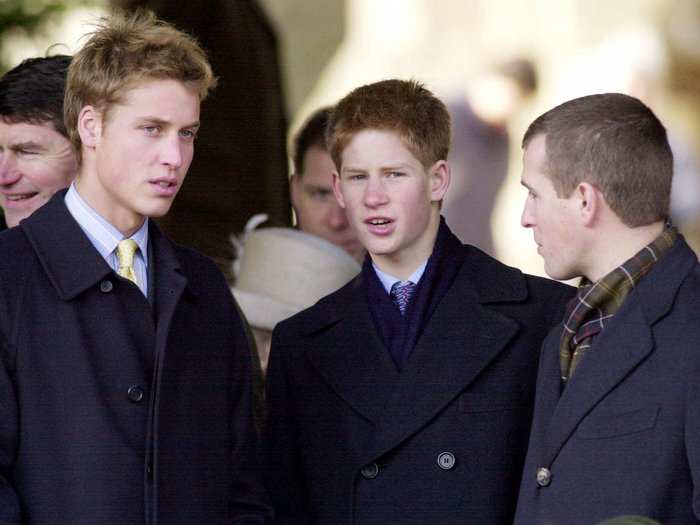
point(125, 253)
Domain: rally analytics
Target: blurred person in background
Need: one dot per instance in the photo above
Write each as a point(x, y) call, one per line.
point(311, 186)
point(480, 147)
point(36, 156)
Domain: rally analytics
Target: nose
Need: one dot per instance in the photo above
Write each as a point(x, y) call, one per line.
point(9, 172)
point(375, 193)
point(337, 220)
point(526, 218)
point(172, 153)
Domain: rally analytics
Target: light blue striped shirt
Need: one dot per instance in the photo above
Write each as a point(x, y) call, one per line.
point(105, 237)
point(389, 280)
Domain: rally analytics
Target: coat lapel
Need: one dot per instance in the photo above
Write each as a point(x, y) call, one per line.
point(350, 355)
point(460, 340)
point(622, 346)
point(618, 350)
point(69, 258)
point(170, 283)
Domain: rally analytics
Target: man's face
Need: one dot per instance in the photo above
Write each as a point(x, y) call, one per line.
point(35, 162)
point(316, 208)
point(390, 198)
point(552, 218)
point(141, 153)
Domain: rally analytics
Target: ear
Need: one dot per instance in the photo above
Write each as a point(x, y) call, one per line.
point(337, 191)
point(89, 126)
point(440, 177)
point(294, 182)
point(589, 203)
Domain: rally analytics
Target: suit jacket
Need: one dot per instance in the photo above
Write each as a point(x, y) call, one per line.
point(349, 439)
point(110, 411)
point(624, 436)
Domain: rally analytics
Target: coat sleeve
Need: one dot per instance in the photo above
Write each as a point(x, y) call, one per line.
point(281, 456)
point(9, 431)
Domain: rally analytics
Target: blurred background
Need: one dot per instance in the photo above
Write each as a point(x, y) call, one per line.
point(496, 63)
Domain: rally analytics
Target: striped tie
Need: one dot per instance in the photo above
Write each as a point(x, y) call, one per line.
point(401, 293)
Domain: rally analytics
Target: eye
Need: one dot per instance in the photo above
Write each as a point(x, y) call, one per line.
point(320, 195)
point(394, 174)
point(188, 134)
point(151, 130)
point(357, 176)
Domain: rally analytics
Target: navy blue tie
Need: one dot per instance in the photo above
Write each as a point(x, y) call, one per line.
point(401, 294)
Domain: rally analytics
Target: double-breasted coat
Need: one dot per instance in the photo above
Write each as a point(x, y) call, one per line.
point(350, 439)
point(623, 438)
point(114, 410)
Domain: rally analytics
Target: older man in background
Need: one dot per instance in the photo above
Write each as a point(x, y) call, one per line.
point(36, 157)
point(311, 186)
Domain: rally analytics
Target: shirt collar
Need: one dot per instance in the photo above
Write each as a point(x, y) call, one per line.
point(101, 232)
point(389, 280)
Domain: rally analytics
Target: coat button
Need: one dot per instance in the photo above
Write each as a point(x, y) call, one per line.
point(135, 393)
point(544, 477)
point(446, 460)
point(370, 471)
point(106, 286)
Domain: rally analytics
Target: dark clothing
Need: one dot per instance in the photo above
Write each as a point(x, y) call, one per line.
point(400, 332)
point(112, 411)
point(622, 439)
point(350, 439)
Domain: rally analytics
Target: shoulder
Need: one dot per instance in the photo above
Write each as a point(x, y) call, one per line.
point(327, 311)
point(16, 255)
point(492, 278)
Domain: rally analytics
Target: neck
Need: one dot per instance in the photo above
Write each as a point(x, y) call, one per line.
point(613, 250)
point(94, 194)
point(403, 263)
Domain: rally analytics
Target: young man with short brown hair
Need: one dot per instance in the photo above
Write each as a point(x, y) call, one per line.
point(617, 417)
point(405, 396)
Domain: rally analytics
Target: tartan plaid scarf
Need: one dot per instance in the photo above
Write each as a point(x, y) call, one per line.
point(596, 303)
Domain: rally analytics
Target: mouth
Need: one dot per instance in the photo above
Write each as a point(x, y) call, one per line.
point(381, 226)
point(378, 222)
point(19, 197)
point(165, 187)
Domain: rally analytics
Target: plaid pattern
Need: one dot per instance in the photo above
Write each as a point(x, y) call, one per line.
point(401, 293)
point(596, 303)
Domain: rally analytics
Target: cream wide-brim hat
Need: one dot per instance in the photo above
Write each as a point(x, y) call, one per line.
point(282, 271)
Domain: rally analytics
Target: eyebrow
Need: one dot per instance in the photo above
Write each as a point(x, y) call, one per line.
point(29, 144)
point(162, 122)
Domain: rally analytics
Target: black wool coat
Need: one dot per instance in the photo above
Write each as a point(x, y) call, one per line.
point(112, 411)
point(350, 440)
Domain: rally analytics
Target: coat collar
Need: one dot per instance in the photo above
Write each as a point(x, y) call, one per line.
point(616, 352)
point(69, 258)
point(352, 359)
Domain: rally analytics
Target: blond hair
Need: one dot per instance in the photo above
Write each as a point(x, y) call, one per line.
point(124, 49)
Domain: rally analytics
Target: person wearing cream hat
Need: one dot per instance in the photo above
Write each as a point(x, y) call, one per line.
point(281, 271)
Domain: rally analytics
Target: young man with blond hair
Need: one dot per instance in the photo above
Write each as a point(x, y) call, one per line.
point(617, 413)
point(405, 396)
point(125, 370)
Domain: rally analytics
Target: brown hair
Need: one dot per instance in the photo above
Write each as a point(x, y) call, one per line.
point(403, 106)
point(614, 142)
point(124, 49)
